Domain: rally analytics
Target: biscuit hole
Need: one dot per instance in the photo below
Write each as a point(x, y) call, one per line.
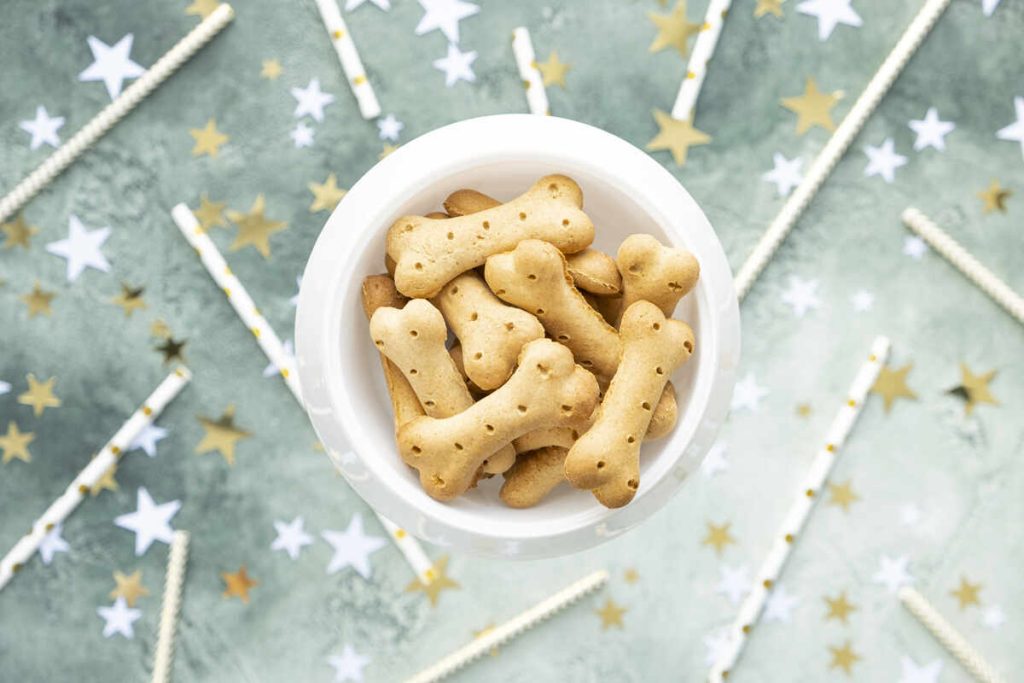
point(600, 464)
point(478, 355)
point(633, 484)
point(379, 342)
point(566, 408)
point(521, 408)
point(630, 439)
point(458, 446)
point(522, 216)
point(645, 405)
point(542, 369)
point(413, 333)
point(635, 268)
point(408, 227)
point(674, 286)
point(563, 337)
point(587, 363)
point(438, 481)
point(575, 435)
point(531, 276)
point(553, 189)
point(688, 345)
point(565, 222)
point(412, 371)
point(417, 450)
point(418, 266)
point(656, 326)
point(454, 290)
point(473, 316)
point(659, 370)
point(540, 311)
point(487, 225)
point(451, 235)
point(429, 404)
point(500, 292)
point(489, 428)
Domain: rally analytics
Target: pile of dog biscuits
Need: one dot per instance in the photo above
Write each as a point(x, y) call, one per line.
point(563, 354)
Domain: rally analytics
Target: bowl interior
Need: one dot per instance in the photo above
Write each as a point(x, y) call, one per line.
point(616, 215)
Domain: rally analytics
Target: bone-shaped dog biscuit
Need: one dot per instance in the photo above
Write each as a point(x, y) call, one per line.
point(547, 389)
point(593, 271)
point(379, 292)
point(490, 332)
point(413, 338)
point(533, 276)
point(606, 459)
point(534, 476)
point(430, 252)
point(656, 273)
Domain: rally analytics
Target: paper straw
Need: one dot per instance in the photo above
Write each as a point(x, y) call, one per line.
point(172, 605)
point(948, 636)
point(271, 345)
point(510, 629)
point(526, 62)
point(79, 488)
point(795, 520)
point(113, 112)
point(984, 278)
point(838, 143)
point(348, 55)
point(697, 66)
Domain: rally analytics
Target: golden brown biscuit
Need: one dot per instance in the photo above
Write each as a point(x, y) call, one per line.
point(656, 273)
point(535, 475)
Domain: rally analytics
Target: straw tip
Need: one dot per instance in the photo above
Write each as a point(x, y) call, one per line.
point(183, 372)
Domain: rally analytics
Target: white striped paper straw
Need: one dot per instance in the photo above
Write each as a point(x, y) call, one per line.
point(348, 55)
point(795, 520)
point(79, 488)
point(697, 65)
point(948, 636)
point(510, 629)
point(837, 145)
point(115, 111)
point(984, 278)
point(271, 345)
point(526, 62)
point(173, 582)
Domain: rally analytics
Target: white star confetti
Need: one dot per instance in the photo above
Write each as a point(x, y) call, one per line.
point(1015, 131)
point(801, 296)
point(352, 547)
point(747, 394)
point(785, 173)
point(43, 129)
point(291, 537)
point(5, 387)
point(150, 522)
point(148, 439)
point(893, 573)
point(716, 644)
point(733, 583)
point(456, 65)
point(911, 672)
point(301, 135)
point(883, 161)
point(931, 132)
point(993, 617)
point(830, 13)
point(910, 515)
point(52, 544)
point(862, 301)
point(311, 100)
point(780, 605)
point(914, 247)
point(444, 15)
point(349, 665)
point(715, 461)
point(119, 619)
point(389, 128)
point(989, 6)
point(111, 64)
point(353, 4)
point(81, 248)
point(294, 301)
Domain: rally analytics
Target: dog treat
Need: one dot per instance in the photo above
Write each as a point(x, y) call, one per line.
point(413, 339)
point(547, 389)
point(608, 306)
point(533, 277)
point(490, 332)
point(655, 273)
point(606, 459)
point(534, 476)
point(592, 270)
point(456, 354)
point(430, 252)
point(665, 415)
point(379, 292)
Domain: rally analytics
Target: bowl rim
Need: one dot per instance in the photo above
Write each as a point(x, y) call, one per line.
point(411, 170)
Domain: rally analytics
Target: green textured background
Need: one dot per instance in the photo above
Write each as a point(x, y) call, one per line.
point(964, 473)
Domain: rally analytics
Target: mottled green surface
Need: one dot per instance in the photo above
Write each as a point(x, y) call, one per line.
point(963, 473)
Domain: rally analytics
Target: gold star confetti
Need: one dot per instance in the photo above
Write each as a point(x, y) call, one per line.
point(892, 384)
point(553, 70)
point(768, 6)
point(812, 108)
point(843, 657)
point(673, 29)
point(676, 135)
point(974, 389)
point(842, 495)
point(130, 299)
point(254, 228)
point(966, 593)
point(159, 329)
point(611, 614)
point(237, 585)
point(483, 632)
point(271, 69)
point(38, 301)
point(208, 139)
point(171, 349)
point(210, 214)
point(39, 395)
point(14, 443)
point(221, 435)
point(438, 580)
point(129, 587)
point(994, 198)
point(388, 149)
point(106, 482)
point(202, 8)
point(718, 537)
point(18, 233)
point(804, 410)
point(631, 575)
point(839, 607)
point(326, 195)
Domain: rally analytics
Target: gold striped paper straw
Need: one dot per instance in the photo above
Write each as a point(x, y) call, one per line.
point(348, 55)
point(697, 66)
point(526, 62)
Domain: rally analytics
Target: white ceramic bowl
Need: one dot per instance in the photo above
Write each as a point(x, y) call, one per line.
point(625, 191)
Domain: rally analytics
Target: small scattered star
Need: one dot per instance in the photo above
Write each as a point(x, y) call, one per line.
point(892, 384)
point(747, 394)
point(210, 214)
point(208, 139)
point(830, 13)
point(631, 576)
point(843, 657)
point(718, 537)
point(438, 581)
point(842, 495)
point(966, 593)
point(862, 301)
point(294, 301)
point(989, 6)
point(130, 299)
point(148, 439)
point(893, 573)
point(171, 349)
point(270, 69)
point(911, 672)
point(1015, 131)
point(388, 149)
point(553, 71)
point(311, 100)
point(221, 435)
point(444, 15)
point(611, 614)
point(119, 619)
point(715, 461)
point(993, 617)
point(238, 584)
point(202, 8)
point(456, 65)
point(352, 547)
point(291, 537)
point(18, 233)
point(353, 4)
point(804, 410)
point(43, 129)
point(677, 136)
point(39, 395)
point(389, 128)
point(914, 247)
point(717, 644)
point(768, 6)
point(81, 249)
point(839, 607)
point(53, 542)
point(301, 135)
point(349, 665)
point(38, 301)
point(483, 632)
point(973, 389)
point(801, 296)
point(812, 108)
point(254, 228)
point(883, 161)
point(326, 195)
point(779, 606)
point(733, 583)
point(994, 197)
point(910, 515)
point(129, 587)
point(931, 132)
point(785, 173)
point(106, 482)
point(14, 444)
point(150, 522)
point(111, 64)
point(673, 30)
